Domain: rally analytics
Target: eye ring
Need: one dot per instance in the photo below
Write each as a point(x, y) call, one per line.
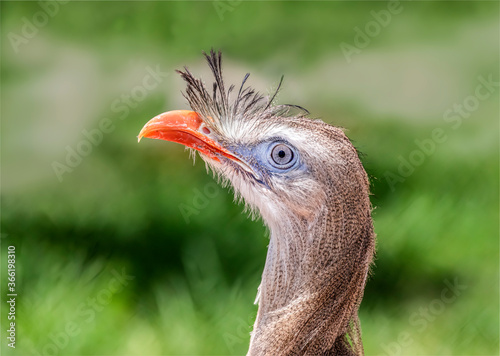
point(281, 155)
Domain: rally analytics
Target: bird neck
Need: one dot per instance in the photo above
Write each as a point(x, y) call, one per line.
point(313, 282)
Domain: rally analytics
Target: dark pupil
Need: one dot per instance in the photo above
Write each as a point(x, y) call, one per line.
point(282, 155)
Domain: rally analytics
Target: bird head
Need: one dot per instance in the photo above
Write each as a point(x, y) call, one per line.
point(277, 159)
point(305, 179)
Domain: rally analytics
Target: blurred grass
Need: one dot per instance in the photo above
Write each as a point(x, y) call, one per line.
point(195, 280)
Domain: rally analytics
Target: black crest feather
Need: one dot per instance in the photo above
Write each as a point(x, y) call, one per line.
point(219, 109)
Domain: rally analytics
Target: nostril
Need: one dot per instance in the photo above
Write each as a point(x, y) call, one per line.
point(206, 130)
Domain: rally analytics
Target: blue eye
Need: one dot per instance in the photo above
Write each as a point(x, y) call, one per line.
point(281, 155)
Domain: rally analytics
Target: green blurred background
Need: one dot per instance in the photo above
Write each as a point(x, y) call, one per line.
point(133, 251)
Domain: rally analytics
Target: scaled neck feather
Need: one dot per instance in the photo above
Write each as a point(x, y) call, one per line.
point(314, 279)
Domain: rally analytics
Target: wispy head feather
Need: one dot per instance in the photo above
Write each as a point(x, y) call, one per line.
point(217, 108)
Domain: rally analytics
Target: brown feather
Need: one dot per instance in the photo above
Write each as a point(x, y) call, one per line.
point(322, 241)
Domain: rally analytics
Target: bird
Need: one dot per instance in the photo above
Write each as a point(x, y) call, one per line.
point(304, 178)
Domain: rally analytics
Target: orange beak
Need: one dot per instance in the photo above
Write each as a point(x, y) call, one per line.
point(185, 127)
